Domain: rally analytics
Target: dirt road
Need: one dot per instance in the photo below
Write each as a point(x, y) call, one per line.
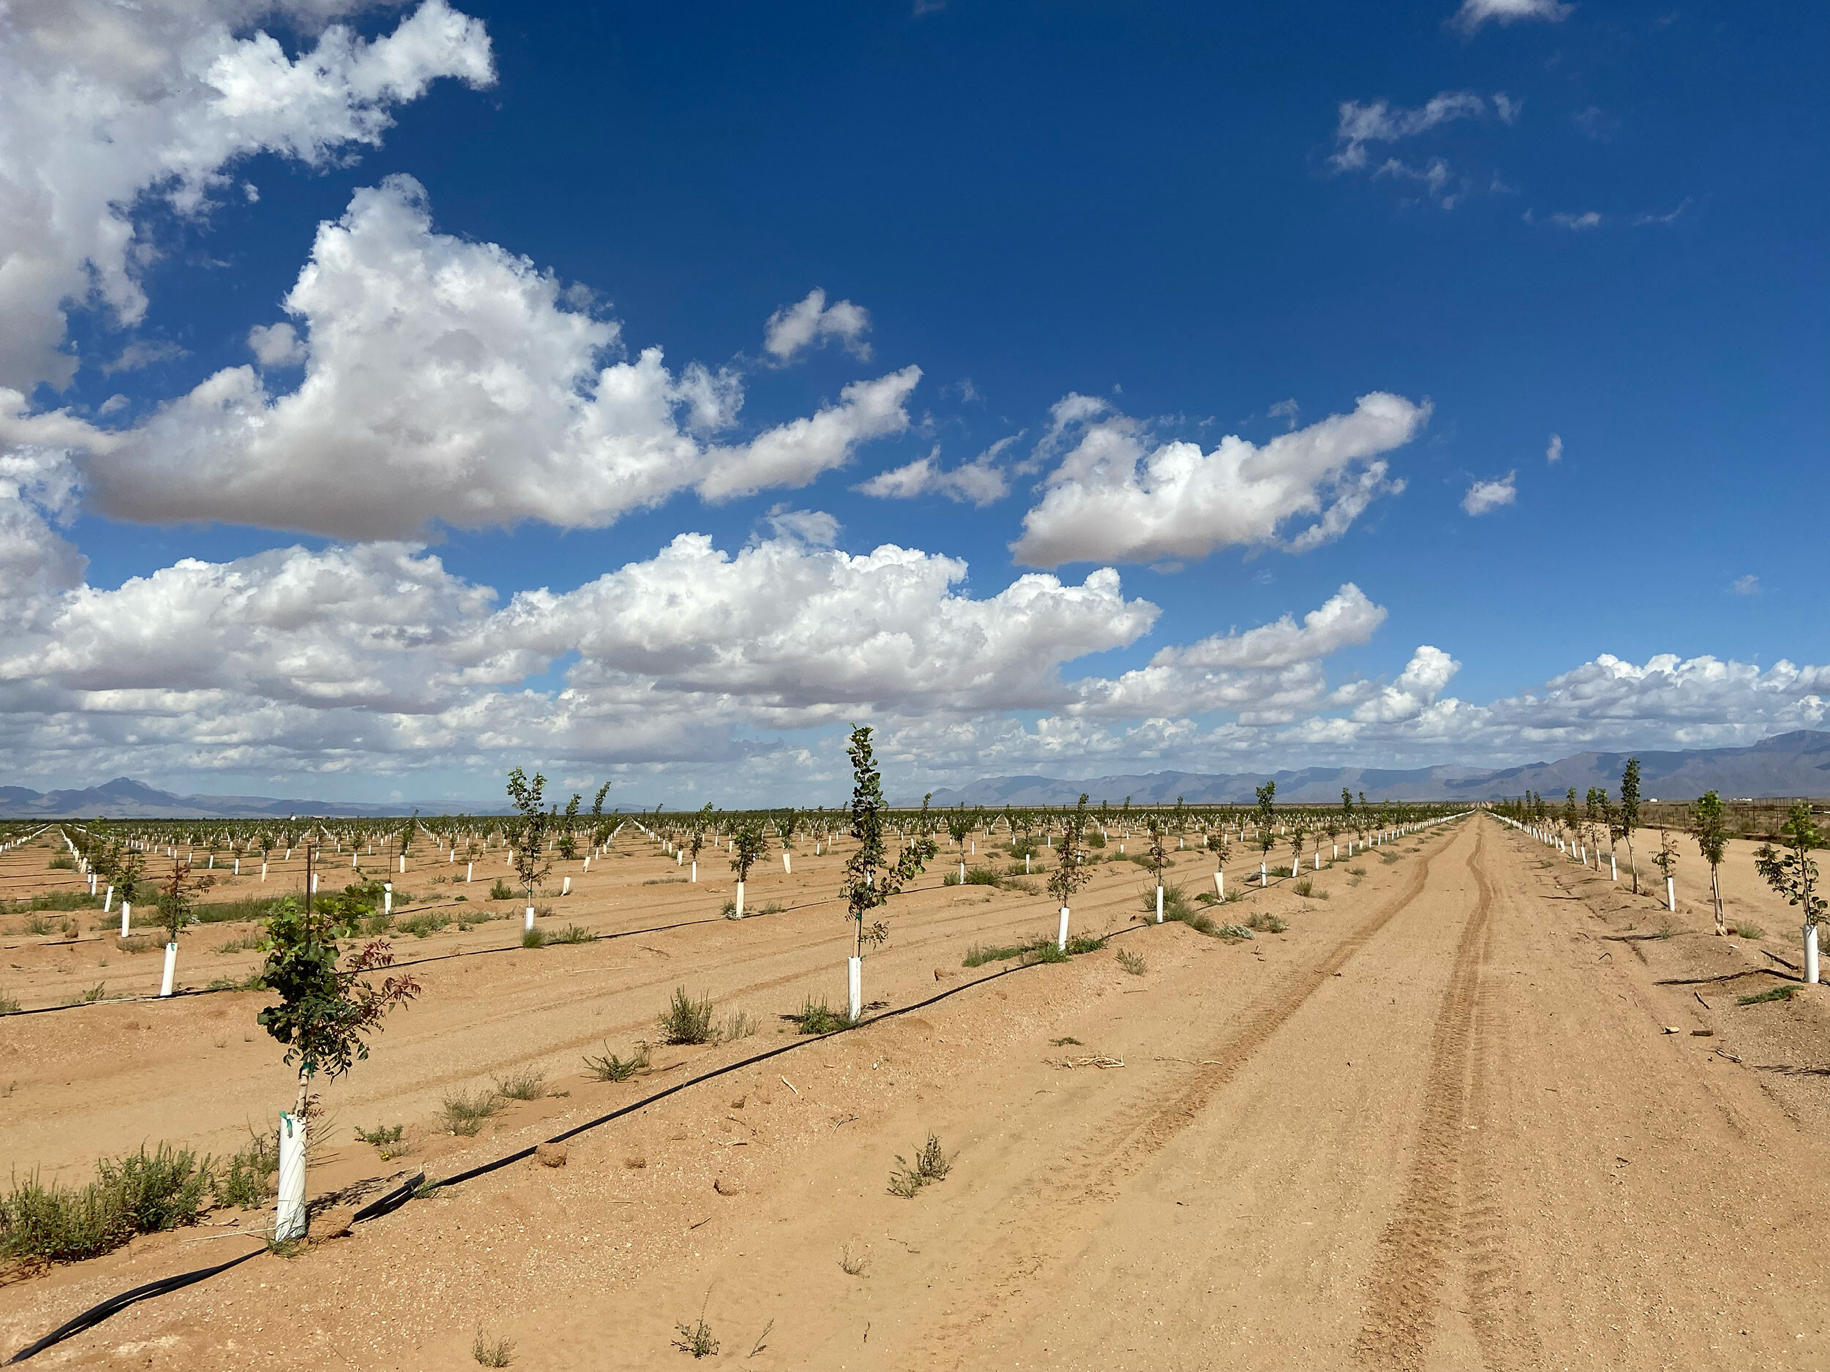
point(1436, 1126)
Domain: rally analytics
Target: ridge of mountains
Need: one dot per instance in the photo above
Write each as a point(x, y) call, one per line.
point(1792, 764)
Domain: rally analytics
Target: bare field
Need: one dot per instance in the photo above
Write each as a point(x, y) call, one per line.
point(1435, 1124)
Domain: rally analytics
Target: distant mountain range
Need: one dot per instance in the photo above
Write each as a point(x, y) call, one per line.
point(1794, 764)
point(124, 798)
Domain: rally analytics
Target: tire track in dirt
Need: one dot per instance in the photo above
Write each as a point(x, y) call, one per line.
point(1052, 1206)
point(1454, 1190)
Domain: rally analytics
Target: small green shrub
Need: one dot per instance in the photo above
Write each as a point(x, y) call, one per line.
point(1772, 993)
point(930, 1165)
point(1266, 923)
point(609, 1067)
point(522, 1085)
point(9, 1005)
point(534, 938)
point(490, 1352)
point(249, 1180)
point(1746, 930)
point(140, 1193)
point(63, 862)
point(1356, 871)
point(382, 1136)
point(1305, 887)
point(422, 925)
point(818, 1018)
point(696, 1338)
point(463, 1114)
point(1233, 933)
point(979, 954)
point(572, 933)
point(1131, 962)
point(501, 890)
point(687, 1020)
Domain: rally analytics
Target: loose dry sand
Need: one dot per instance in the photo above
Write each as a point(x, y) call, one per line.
point(1437, 1125)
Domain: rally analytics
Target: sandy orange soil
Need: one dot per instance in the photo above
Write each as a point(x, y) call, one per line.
point(1439, 1124)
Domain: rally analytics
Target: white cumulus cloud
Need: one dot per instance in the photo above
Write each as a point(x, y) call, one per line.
point(1474, 13)
point(105, 105)
point(978, 482)
point(1115, 497)
point(812, 322)
point(1486, 496)
point(446, 380)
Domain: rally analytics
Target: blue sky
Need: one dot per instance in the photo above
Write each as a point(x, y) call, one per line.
point(1518, 219)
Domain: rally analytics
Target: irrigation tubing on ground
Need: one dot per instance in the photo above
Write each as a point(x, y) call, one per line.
point(415, 1185)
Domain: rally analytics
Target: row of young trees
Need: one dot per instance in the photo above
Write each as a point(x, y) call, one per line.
point(1786, 866)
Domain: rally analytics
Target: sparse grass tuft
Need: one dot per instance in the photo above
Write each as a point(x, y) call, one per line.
point(533, 938)
point(1356, 871)
point(249, 1180)
point(463, 1114)
point(1265, 923)
point(523, 1085)
point(1304, 887)
point(853, 1261)
point(979, 953)
point(1131, 962)
point(687, 1020)
point(930, 1165)
point(696, 1338)
point(383, 1137)
point(1746, 930)
point(422, 925)
point(737, 1025)
point(490, 1352)
point(9, 1005)
point(572, 934)
point(609, 1067)
point(1233, 933)
point(1772, 993)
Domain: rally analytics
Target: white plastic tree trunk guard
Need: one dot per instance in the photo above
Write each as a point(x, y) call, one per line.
point(108, 901)
point(126, 917)
point(527, 923)
point(1811, 954)
point(1613, 867)
point(962, 874)
point(1159, 904)
point(1061, 937)
point(695, 869)
point(787, 864)
point(1026, 864)
point(1264, 875)
point(565, 887)
point(1220, 884)
point(387, 897)
point(403, 862)
point(1671, 895)
point(290, 1220)
point(740, 900)
point(263, 871)
point(470, 871)
point(854, 987)
point(171, 968)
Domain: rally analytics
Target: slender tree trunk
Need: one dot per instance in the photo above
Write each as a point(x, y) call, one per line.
point(1715, 894)
point(1631, 865)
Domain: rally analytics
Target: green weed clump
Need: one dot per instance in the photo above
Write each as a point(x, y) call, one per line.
point(534, 938)
point(140, 1193)
point(816, 1017)
point(930, 1165)
point(1131, 962)
point(687, 1020)
point(1305, 887)
point(523, 1085)
point(252, 1171)
point(609, 1067)
point(501, 890)
point(422, 925)
point(1746, 930)
point(572, 933)
point(1233, 933)
point(1267, 924)
point(1772, 993)
point(463, 1114)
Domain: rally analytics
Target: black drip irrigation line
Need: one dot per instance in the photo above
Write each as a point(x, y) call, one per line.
point(420, 1185)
